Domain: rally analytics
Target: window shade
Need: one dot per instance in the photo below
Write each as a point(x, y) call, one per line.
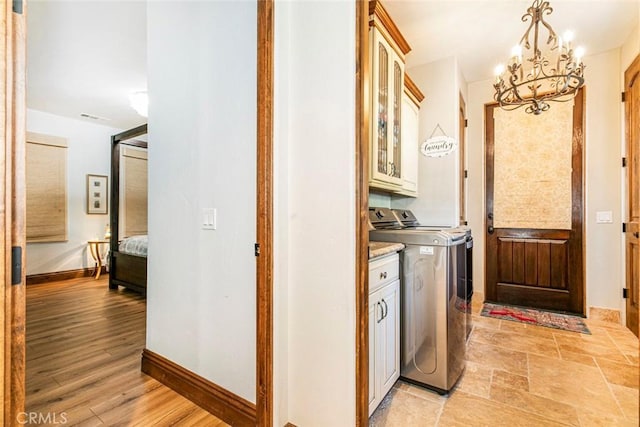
point(46, 179)
point(135, 192)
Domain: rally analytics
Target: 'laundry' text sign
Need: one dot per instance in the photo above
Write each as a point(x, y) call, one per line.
point(438, 146)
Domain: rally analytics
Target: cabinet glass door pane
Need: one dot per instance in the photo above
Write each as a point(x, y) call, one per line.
point(383, 107)
point(398, 84)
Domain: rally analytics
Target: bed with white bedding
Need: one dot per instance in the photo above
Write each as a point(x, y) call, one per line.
point(134, 245)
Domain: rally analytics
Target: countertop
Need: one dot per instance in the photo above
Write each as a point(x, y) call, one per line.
point(378, 249)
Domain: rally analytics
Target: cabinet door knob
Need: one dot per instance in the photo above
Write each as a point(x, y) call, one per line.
point(636, 234)
point(386, 309)
point(383, 275)
point(381, 312)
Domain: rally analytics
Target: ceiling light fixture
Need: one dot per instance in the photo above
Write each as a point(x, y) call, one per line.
point(550, 72)
point(94, 117)
point(140, 102)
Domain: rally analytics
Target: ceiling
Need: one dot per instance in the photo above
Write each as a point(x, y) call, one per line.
point(87, 56)
point(481, 33)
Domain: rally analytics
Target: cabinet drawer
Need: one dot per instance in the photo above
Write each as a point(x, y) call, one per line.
point(383, 270)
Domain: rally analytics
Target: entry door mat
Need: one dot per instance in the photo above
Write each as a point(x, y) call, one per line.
point(536, 317)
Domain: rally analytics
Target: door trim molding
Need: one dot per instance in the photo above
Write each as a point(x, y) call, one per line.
point(630, 237)
point(264, 212)
point(222, 403)
point(13, 127)
point(363, 94)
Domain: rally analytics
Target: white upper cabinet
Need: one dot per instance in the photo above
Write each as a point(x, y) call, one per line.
point(411, 99)
point(393, 154)
point(386, 130)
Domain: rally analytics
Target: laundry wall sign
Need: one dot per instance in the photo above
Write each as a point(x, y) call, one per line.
point(439, 146)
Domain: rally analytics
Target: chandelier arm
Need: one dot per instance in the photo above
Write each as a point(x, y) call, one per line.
point(553, 38)
point(545, 9)
point(525, 37)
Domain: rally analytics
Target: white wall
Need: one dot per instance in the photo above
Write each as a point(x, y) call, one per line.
point(602, 179)
point(631, 47)
point(281, 138)
point(88, 152)
point(201, 302)
point(601, 171)
point(438, 189)
point(315, 135)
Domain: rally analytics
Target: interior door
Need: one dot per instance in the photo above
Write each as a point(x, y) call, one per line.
point(12, 205)
point(632, 242)
point(534, 199)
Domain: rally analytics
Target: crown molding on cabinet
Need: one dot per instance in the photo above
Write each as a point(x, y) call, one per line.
point(411, 89)
point(379, 18)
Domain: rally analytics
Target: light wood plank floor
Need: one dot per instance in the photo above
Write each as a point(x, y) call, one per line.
point(83, 360)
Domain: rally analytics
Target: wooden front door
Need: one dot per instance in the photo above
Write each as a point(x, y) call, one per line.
point(632, 240)
point(534, 205)
point(12, 204)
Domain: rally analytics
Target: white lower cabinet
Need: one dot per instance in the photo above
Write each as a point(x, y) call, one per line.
point(384, 328)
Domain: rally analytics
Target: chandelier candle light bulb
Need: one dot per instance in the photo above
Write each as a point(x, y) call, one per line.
point(516, 52)
point(568, 37)
point(579, 54)
point(498, 71)
point(540, 77)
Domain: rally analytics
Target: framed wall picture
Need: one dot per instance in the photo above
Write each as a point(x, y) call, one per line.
point(97, 194)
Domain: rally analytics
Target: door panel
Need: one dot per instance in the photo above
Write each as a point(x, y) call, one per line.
point(373, 348)
point(632, 125)
point(534, 220)
point(543, 263)
point(391, 325)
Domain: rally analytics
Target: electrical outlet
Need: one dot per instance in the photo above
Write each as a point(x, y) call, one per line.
point(209, 219)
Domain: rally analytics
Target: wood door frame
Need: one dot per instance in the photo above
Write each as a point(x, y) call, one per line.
point(13, 390)
point(577, 194)
point(264, 220)
point(463, 152)
point(632, 320)
point(362, 117)
point(12, 122)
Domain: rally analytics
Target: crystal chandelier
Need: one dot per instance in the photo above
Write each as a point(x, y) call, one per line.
point(550, 72)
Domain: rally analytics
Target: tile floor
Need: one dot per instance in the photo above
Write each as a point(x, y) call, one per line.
point(523, 375)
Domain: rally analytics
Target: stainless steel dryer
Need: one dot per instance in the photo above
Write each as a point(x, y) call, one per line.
point(432, 316)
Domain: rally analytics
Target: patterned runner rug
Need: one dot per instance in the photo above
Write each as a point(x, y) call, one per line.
point(533, 316)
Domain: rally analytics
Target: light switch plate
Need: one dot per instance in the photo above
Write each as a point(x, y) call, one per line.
point(604, 217)
point(209, 219)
